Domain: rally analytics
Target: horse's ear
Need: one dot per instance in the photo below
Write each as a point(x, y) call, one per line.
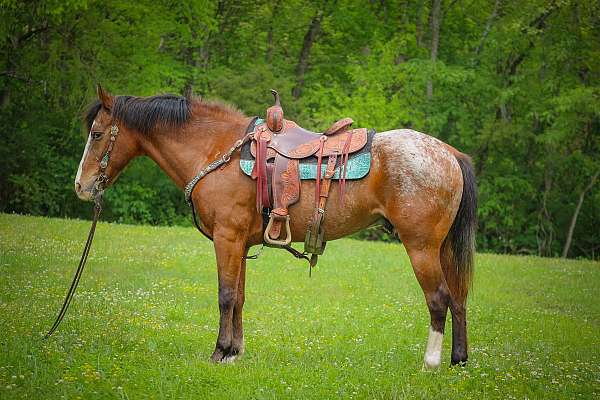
point(105, 98)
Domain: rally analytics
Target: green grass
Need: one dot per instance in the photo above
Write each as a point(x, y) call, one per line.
point(144, 321)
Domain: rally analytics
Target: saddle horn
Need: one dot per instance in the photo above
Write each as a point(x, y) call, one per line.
point(275, 114)
point(276, 96)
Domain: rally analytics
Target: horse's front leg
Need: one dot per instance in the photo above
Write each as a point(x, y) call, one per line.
point(238, 327)
point(230, 249)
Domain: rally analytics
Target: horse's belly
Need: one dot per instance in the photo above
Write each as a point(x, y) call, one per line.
point(358, 211)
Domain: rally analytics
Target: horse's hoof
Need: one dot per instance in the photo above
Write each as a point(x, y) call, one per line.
point(460, 363)
point(229, 359)
point(429, 365)
point(459, 359)
point(432, 360)
point(226, 356)
point(217, 356)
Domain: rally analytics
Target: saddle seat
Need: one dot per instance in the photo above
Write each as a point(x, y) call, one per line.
point(296, 142)
point(277, 146)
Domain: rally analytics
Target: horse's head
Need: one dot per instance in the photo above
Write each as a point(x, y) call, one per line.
point(110, 146)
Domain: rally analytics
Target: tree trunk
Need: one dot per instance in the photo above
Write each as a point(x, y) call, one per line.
point(274, 15)
point(488, 26)
point(309, 39)
point(545, 234)
point(211, 42)
point(576, 214)
point(419, 24)
point(508, 69)
point(435, 41)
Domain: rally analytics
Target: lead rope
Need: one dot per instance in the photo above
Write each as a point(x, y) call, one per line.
point(82, 262)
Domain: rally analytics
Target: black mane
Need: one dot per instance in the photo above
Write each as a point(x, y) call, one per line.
point(145, 113)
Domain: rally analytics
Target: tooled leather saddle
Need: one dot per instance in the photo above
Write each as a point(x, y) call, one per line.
point(278, 146)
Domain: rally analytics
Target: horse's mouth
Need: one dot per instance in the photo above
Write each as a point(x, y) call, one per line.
point(85, 192)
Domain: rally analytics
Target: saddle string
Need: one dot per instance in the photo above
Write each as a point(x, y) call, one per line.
point(319, 164)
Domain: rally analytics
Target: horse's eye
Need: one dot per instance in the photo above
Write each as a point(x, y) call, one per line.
point(97, 135)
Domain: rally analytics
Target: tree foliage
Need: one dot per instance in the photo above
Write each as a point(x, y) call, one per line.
point(515, 84)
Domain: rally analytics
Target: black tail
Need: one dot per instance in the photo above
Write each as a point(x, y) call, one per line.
point(459, 246)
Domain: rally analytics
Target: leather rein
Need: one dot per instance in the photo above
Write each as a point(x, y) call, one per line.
point(98, 190)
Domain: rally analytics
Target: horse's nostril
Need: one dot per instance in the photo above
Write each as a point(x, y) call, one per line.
point(77, 187)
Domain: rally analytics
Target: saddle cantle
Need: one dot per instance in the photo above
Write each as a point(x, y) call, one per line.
point(278, 147)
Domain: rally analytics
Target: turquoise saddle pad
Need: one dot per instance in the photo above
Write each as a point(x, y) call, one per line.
point(358, 166)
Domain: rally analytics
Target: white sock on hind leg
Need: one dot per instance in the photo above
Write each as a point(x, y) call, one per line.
point(433, 354)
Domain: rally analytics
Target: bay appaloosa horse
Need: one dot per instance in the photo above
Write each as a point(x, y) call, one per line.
point(423, 187)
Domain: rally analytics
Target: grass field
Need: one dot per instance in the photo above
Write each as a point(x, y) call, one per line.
point(144, 321)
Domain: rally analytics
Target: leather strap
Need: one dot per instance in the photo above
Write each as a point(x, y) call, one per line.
point(262, 190)
point(191, 185)
point(329, 172)
point(80, 267)
point(319, 163)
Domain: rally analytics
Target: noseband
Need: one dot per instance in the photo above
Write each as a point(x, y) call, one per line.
point(97, 192)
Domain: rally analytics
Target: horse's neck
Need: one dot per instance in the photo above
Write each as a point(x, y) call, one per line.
point(182, 154)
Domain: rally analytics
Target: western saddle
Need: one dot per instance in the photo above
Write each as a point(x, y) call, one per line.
point(278, 145)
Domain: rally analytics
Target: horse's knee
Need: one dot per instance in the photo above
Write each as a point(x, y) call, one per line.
point(227, 298)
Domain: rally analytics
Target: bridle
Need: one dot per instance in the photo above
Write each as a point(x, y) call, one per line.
point(102, 179)
point(97, 192)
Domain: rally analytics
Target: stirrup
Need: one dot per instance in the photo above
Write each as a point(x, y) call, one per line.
point(288, 233)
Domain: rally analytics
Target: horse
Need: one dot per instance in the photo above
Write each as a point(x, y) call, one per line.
point(424, 188)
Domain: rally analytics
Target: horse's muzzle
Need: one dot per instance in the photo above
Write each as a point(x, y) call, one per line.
point(85, 192)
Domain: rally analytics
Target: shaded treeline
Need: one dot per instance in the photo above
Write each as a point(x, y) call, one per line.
point(513, 83)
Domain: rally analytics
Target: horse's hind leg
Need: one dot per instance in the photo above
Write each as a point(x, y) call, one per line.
point(457, 305)
point(428, 270)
